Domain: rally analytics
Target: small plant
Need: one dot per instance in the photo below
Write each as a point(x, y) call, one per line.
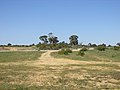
point(84, 49)
point(101, 47)
point(61, 51)
point(64, 51)
point(113, 55)
point(81, 53)
point(68, 50)
point(116, 48)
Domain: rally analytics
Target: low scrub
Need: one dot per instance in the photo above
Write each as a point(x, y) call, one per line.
point(18, 56)
point(116, 48)
point(68, 50)
point(101, 47)
point(64, 51)
point(81, 53)
point(84, 49)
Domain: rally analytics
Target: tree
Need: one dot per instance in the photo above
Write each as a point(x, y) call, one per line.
point(55, 40)
point(94, 45)
point(73, 40)
point(9, 44)
point(89, 44)
point(44, 39)
point(104, 44)
point(118, 44)
point(109, 46)
point(52, 39)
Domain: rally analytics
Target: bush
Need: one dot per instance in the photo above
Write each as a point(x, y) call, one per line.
point(81, 53)
point(68, 50)
point(116, 47)
point(61, 51)
point(101, 47)
point(64, 51)
point(84, 49)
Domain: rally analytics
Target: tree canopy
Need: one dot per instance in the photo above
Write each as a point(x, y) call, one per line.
point(44, 39)
point(73, 40)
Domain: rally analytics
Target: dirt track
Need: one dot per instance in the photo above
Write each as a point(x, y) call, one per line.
point(47, 59)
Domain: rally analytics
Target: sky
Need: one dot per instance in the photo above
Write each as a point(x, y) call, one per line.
point(94, 21)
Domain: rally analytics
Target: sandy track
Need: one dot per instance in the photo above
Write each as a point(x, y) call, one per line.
point(47, 59)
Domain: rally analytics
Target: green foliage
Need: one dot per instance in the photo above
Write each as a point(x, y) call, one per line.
point(64, 51)
point(93, 55)
point(73, 40)
point(19, 56)
point(52, 39)
point(9, 44)
point(68, 50)
point(91, 45)
point(81, 53)
point(116, 47)
point(44, 39)
point(118, 44)
point(101, 47)
point(84, 49)
point(51, 46)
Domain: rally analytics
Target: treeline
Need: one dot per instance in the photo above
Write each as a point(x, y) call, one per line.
point(10, 45)
point(51, 42)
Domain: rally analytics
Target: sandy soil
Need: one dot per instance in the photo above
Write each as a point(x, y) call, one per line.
point(47, 59)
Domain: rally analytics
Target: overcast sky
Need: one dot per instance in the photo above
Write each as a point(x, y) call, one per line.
point(95, 21)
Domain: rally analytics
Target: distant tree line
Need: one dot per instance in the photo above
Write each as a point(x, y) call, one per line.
point(51, 42)
point(10, 45)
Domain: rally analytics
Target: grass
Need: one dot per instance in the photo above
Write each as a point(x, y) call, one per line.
point(93, 55)
point(70, 77)
point(15, 56)
point(58, 77)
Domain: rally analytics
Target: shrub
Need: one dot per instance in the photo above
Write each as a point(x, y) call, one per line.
point(101, 47)
point(61, 51)
point(81, 53)
point(68, 50)
point(116, 47)
point(84, 49)
point(64, 51)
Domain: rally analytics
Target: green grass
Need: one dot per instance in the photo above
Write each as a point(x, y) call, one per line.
point(14, 56)
point(93, 55)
